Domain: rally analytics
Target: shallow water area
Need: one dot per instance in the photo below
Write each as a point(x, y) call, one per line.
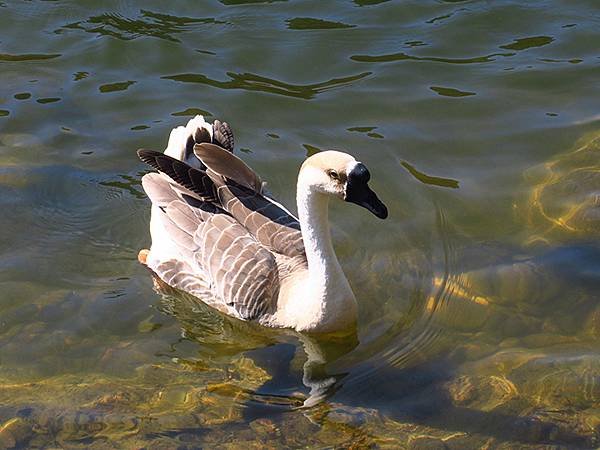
point(479, 312)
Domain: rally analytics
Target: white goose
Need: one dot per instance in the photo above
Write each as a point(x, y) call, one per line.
point(217, 235)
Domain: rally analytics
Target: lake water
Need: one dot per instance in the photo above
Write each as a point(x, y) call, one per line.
point(479, 316)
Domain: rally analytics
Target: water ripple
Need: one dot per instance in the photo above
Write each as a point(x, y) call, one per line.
point(192, 112)
point(528, 42)
point(309, 23)
point(370, 131)
point(253, 82)
point(45, 100)
point(311, 149)
point(162, 26)
point(369, 2)
point(113, 87)
point(6, 57)
point(247, 2)
point(404, 57)
point(428, 179)
point(445, 16)
point(127, 183)
point(450, 92)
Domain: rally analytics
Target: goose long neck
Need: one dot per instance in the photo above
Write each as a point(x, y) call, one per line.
point(323, 301)
point(313, 212)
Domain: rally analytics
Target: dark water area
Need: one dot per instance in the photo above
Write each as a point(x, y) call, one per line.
point(479, 304)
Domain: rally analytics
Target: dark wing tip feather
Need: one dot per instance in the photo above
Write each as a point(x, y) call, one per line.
point(223, 135)
point(150, 157)
point(193, 179)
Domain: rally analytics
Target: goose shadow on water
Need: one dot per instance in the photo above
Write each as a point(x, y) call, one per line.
point(417, 395)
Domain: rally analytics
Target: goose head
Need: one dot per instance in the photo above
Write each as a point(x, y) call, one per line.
point(338, 174)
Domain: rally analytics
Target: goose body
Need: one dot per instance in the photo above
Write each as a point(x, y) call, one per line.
point(217, 234)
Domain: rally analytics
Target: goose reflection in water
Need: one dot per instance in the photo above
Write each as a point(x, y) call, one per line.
point(228, 336)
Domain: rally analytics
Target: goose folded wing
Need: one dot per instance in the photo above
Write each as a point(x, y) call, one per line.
point(240, 193)
point(242, 273)
point(267, 221)
point(270, 223)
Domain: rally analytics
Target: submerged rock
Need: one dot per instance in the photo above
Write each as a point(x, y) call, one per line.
point(15, 432)
point(263, 427)
point(537, 396)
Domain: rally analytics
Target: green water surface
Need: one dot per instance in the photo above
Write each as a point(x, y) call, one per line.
point(479, 304)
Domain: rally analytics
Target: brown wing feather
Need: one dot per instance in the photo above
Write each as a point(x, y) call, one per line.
point(227, 165)
point(218, 254)
point(223, 135)
point(270, 224)
point(242, 271)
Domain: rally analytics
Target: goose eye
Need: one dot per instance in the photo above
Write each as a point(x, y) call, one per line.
point(333, 174)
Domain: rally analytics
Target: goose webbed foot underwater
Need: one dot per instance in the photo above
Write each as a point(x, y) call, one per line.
point(219, 235)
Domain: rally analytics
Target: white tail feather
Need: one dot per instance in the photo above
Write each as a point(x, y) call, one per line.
point(178, 139)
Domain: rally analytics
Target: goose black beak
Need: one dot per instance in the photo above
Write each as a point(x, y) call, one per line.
point(358, 191)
